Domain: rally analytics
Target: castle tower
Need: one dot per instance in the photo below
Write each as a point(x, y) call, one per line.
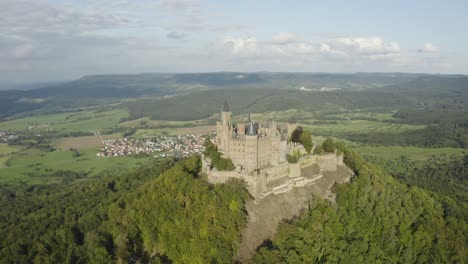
point(226, 114)
point(224, 130)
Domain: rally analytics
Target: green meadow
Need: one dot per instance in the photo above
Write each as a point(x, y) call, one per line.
point(67, 122)
point(36, 167)
point(361, 126)
point(5, 152)
point(413, 153)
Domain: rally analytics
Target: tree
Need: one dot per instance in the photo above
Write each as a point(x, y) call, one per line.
point(306, 140)
point(328, 146)
point(294, 157)
point(296, 135)
point(218, 162)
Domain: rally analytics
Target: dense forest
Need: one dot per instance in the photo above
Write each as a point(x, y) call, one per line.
point(165, 212)
point(442, 174)
point(161, 213)
point(376, 219)
point(433, 136)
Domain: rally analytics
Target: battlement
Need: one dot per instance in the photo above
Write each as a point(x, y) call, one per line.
point(277, 179)
point(258, 151)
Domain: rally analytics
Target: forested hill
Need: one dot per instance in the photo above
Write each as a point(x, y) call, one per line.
point(374, 89)
point(164, 212)
point(161, 213)
point(376, 219)
point(431, 87)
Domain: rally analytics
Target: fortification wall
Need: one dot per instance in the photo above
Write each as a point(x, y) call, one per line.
point(308, 161)
point(256, 184)
point(294, 170)
point(329, 162)
point(223, 176)
point(285, 175)
point(276, 173)
point(264, 152)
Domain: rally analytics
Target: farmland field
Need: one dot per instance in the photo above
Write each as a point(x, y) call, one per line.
point(413, 153)
point(85, 142)
point(5, 151)
point(37, 167)
point(148, 133)
point(67, 122)
point(361, 126)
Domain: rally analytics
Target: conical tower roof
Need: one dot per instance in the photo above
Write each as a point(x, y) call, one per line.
point(226, 106)
point(251, 131)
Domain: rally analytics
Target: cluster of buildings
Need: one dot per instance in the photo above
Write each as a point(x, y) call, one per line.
point(7, 137)
point(164, 146)
point(258, 151)
point(40, 127)
point(322, 89)
point(329, 89)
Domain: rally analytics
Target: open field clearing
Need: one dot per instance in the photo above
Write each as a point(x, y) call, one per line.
point(148, 133)
point(161, 123)
point(361, 126)
point(277, 115)
point(86, 142)
point(363, 115)
point(37, 167)
point(67, 122)
point(413, 153)
point(6, 151)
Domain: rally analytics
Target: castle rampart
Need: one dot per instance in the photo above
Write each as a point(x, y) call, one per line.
point(258, 151)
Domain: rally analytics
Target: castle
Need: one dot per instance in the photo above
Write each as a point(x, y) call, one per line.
point(258, 151)
point(251, 145)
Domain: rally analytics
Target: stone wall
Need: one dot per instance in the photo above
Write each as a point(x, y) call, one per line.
point(276, 173)
point(266, 180)
point(294, 170)
point(329, 162)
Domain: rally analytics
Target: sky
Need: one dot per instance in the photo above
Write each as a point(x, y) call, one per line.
point(57, 40)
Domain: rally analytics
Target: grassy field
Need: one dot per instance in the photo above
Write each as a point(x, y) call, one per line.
point(413, 153)
point(146, 121)
point(149, 133)
point(67, 122)
point(361, 126)
point(6, 151)
point(35, 167)
point(86, 142)
point(363, 116)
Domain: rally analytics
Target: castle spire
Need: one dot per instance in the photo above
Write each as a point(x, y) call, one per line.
point(226, 106)
point(249, 117)
point(251, 131)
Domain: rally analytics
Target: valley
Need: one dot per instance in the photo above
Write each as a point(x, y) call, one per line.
point(123, 154)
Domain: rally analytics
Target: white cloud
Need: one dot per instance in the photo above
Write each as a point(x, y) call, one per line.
point(283, 38)
point(327, 49)
point(281, 47)
point(372, 48)
point(429, 47)
point(285, 46)
point(241, 47)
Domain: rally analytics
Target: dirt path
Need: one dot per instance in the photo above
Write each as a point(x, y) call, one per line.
point(264, 216)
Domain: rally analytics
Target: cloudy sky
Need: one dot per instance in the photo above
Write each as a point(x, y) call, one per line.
point(48, 40)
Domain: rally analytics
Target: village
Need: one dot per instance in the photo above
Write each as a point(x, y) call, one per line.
point(6, 137)
point(163, 146)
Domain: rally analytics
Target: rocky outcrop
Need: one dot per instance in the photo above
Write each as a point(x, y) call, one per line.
point(267, 213)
